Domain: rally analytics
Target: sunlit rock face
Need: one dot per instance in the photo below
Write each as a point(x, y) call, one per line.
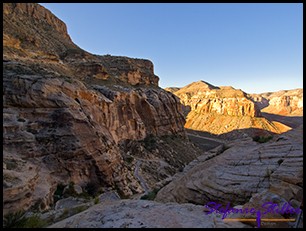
point(287, 102)
point(221, 110)
point(65, 111)
point(205, 98)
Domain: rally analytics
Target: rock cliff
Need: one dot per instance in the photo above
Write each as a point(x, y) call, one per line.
point(285, 102)
point(172, 89)
point(67, 112)
point(223, 109)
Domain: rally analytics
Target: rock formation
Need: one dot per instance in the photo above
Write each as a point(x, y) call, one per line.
point(172, 89)
point(145, 214)
point(243, 172)
point(220, 110)
point(282, 107)
point(285, 102)
point(68, 112)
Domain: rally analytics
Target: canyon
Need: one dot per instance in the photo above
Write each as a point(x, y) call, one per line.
point(70, 116)
point(93, 141)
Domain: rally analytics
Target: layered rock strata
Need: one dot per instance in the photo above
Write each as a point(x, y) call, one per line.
point(285, 102)
point(220, 110)
point(240, 170)
point(66, 112)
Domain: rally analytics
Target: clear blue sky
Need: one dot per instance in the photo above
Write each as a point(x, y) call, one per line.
point(253, 47)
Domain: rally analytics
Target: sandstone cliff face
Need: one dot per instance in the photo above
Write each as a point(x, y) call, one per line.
point(32, 33)
point(260, 100)
point(288, 103)
point(66, 111)
point(31, 28)
point(282, 107)
point(222, 109)
point(205, 98)
point(172, 89)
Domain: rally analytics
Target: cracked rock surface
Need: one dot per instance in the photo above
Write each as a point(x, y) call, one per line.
point(145, 214)
point(242, 170)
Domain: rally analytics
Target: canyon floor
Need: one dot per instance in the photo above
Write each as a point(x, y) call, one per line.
point(245, 182)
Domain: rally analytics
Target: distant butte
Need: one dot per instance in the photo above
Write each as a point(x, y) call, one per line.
point(225, 110)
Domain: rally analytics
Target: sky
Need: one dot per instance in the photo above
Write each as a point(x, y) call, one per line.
point(254, 47)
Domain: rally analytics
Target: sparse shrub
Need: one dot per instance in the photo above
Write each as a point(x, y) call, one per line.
point(19, 220)
point(70, 190)
point(268, 172)
point(280, 161)
point(262, 139)
point(34, 222)
point(97, 200)
point(64, 215)
point(58, 194)
point(69, 80)
point(92, 188)
point(150, 142)
point(14, 220)
point(11, 164)
point(78, 209)
point(72, 211)
point(150, 196)
point(21, 120)
point(129, 159)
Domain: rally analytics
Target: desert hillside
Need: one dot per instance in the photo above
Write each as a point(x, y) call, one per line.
point(224, 110)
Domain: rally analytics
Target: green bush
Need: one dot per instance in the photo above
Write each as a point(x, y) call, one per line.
point(96, 201)
point(70, 190)
point(129, 159)
point(92, 188)
point(150, 142)
point(64, 215)
point(78, 209)
point(262, 139)
point(150, 196)
point(72, 211)
point(58, 194)
point(11, 164)
point(34, 222)
point(19, 220)
point(14, 220)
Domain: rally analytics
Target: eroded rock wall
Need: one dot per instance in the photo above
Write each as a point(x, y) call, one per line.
point(66, 111)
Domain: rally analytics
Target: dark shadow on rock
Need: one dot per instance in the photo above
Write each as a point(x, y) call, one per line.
point(186, 109)
point(232, 135)
point(204, 140)
point(291, 121)
point(246, 132)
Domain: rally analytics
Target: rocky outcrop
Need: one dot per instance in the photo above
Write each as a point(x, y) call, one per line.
point(220, 110)
point(285, 102)
point(30, 30)
point(206, 98)
point(32, 33)
point(288, 103)
point(67, 112)
point(283, 107)
point(172, 89)
point(240, 170)
point(259, 100)
point(145, 214)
